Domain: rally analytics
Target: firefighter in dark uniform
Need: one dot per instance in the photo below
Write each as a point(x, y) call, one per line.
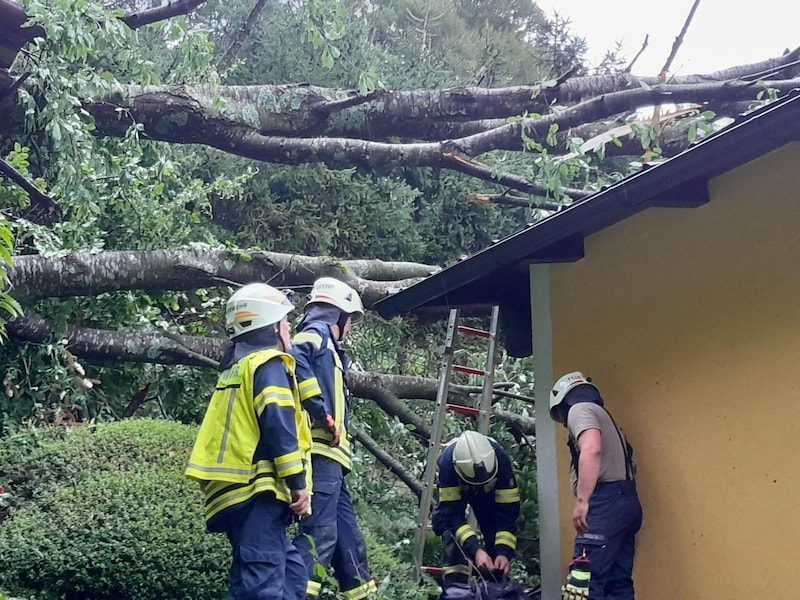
point(607, 513)
point(475, 471)
point(251, 452)
point(330, 536)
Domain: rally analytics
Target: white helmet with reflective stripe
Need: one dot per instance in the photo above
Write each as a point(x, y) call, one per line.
point(566, 384)
point(254, 306)
point(328, 290)
point(474, 458)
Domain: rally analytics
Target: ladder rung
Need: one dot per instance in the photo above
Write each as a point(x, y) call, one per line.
point(472, 331)
point(435, 571)
point(468, 370)
point(466, 410)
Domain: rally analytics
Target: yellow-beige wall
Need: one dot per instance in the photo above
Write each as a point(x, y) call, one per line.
point(689, 322)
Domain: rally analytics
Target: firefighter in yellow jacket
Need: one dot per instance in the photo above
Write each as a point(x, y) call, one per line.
point(251, 453)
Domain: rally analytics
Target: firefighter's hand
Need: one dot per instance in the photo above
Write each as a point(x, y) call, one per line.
point(501, 563)
point(579, 514)
point(483, 562)
point(301, 502)
point(329, 425)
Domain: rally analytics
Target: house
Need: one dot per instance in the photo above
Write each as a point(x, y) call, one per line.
point(678, 290)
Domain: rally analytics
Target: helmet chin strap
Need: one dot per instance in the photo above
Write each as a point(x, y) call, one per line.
point(341, 324)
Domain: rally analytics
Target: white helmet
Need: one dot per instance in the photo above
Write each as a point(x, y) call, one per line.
point(328, 290)
point(474, 458)
point(566, 384)
point(254, 306)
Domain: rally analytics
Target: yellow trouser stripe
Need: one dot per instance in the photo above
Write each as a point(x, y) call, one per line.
point(313, 588)
point(457, 570)
point(362, 591)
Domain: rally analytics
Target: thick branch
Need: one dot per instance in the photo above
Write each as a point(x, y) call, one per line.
point(390, 463)
point(102, 345)
point(39, 200)
point(167, 349)
point(473, 168)
point(88, 274)
point(304, 110)
point(173, 8)
point(526, 425)
point(370, 387)
point(241, 35)
point(212, 129)
point(513, 201)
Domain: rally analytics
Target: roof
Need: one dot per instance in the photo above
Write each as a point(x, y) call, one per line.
point(499, 274)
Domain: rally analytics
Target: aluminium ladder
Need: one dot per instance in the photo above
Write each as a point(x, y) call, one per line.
point(483, 414)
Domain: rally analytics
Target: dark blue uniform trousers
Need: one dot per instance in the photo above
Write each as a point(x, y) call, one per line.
point(615, 516)
point(330, 536)
point(266, 565)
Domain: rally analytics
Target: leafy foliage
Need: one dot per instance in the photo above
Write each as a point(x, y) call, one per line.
point(130, 193)
point(105, 512)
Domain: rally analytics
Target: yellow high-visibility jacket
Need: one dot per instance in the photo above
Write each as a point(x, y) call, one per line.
point(255, 435)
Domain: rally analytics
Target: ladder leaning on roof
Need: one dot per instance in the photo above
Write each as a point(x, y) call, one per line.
point(483, 415)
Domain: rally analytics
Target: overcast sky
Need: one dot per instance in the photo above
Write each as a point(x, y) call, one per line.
point(723, 33)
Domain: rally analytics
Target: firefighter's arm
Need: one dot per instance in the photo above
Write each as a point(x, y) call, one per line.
point(306, 345)
point(275, 408)
point(590, 447)
point(451, 508)
point(506, 498)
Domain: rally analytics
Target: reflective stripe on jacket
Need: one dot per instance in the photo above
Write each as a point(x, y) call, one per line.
point(231, 459)
point(321, 369)
point(496, 506)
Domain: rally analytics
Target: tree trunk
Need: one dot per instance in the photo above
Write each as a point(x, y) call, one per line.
point(88, 274)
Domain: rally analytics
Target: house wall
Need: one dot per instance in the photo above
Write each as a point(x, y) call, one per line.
point(689, 322)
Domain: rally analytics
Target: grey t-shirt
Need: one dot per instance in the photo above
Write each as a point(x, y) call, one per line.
point(587, 415)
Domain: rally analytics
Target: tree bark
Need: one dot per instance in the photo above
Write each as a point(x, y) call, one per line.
point(388, 391)
point(302, 110)
point(183, 114)
point(173, 8)
point(88, 274)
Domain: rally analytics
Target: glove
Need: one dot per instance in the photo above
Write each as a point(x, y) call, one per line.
point(329, 425)
point(577, 585)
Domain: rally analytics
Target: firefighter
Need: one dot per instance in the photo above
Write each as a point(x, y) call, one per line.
point(330, 536)
point(474, 470)
point(251, 452)
point(607, 513)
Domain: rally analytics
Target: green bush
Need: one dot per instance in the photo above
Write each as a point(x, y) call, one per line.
point(108, 514)
point(36, 460)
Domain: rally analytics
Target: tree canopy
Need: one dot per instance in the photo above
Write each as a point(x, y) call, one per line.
point(154, 157)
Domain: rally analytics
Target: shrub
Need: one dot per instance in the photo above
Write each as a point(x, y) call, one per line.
point(33, 461)
point(108, 514)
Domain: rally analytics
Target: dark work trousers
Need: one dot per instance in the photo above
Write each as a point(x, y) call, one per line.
point(266, 565)
point(330, 535)
point(615, 516)
point(455, 565)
